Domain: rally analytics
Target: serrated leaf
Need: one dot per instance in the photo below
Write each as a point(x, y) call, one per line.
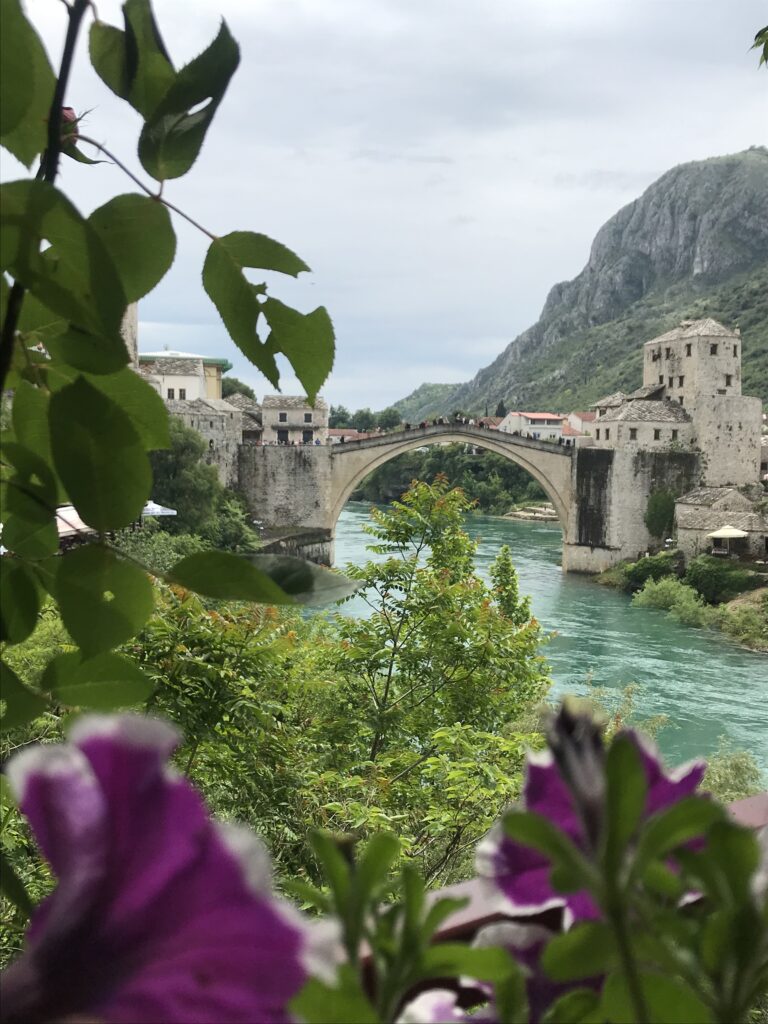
point(139, 400)
point(305, 582)
point(78, 349)
point(19, 600)
point(105, 682)
point(104, 600)
point(99, 456)
point(26, 85)
point(174, 133)
point(76, 277)
point(587, 949)
point(21, 703)
point(107, 50)
point(307, 340)
point(138, 234)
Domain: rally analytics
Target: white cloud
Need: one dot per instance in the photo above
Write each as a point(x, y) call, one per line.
point(439, 165)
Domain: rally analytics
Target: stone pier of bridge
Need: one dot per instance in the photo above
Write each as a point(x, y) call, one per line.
point(600, 495)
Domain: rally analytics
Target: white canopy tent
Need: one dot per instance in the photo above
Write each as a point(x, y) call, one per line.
point(727, 533)
point(153, 509)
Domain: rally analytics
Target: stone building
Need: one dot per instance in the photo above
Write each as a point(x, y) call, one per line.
point(251, 411)
point(221, 427)
point(707, 509)
point(183, 376)
point(289, 419)
point(644, 423)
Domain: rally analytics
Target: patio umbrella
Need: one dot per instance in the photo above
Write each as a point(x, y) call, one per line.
point(153, 509)
point(727, 533)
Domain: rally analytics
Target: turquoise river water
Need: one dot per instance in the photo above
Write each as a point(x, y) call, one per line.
point(705, 685)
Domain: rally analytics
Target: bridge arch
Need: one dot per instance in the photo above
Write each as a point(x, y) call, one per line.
point(548, 464)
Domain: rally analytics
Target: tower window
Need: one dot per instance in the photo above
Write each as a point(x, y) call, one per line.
point(735, 350)
point(657, 434)
point(607, 434)
point(688, 349)
point(674, 435)
point(171, 393)
point(667, 353)
point(728, 379)
point(633, 433)
point(671, 382)
point(307, 417)
point(661, 378)
point(282, 417)
point(182, 393)
point(713, 349)
point(680, 381)
point(597, 434)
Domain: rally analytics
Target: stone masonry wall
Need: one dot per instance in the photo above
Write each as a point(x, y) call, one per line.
point(288, 486)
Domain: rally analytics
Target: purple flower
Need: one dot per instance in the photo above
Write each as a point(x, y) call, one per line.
point(160, 914)
point(441, 1006)
point(520, 875)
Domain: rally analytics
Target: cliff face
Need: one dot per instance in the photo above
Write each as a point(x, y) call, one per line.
point(697, 229)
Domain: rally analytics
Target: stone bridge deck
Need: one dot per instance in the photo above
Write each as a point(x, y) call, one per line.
point(479, 434)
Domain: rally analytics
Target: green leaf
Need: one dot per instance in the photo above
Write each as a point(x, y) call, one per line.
point(373, 866)
point(174, 133)
point(336, 869)
point(318, 1003)
point(626, 793)
point(76, 277)
point(536, 831)
point(105, 682)
point(21, 703)
point(439, 912)
point(585, 950)
point(674, 826)
point(138, 234)
point(104, 600)
point(26, 85)
point(38, 323)
point(306, 582)
point(250, 249)
point(451, 959)
point(12, 886)
point(30, 419)
point(99, 456)
point(581, 1006)
point(668, 1000)
point(29, 502)
point(19, 600)
point(306, 340)
point(228, 577)
point(134, 64)
point(736, 852)
point(140, 402)
point(91, 353)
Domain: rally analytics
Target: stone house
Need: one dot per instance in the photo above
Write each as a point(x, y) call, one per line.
point(583, 422)
point(251, 412)
point(609, 402)
point(289, 419)
point(541, 426)
point(644, 423)
point(183, 376)
point(707, 509)
point(221, 427)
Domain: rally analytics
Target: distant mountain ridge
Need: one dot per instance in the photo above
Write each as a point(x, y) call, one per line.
point(695, 243)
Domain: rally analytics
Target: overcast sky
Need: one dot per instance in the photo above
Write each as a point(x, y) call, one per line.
point(439, 165)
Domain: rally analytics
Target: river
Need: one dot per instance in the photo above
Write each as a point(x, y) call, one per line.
point(705, 685)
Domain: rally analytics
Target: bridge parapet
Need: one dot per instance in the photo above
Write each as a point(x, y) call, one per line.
point(468, 434)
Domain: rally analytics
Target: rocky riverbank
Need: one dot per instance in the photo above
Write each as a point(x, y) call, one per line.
point(542, 511)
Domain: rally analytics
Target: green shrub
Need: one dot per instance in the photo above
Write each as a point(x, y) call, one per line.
point(732, 774)
point(654, 567)
point(680, 600)
point(660, 513)
point(748, 624)
point(718, 580)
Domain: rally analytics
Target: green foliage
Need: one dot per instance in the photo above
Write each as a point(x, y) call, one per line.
point(634, 575)
point(747, 622)
point(501, 409)
point(388, 418)
point(732, 774)
point(233, 386)
point(83, 423)
point(717, 579)
point(660, 513)
point(156, 548)
point(339, 416)
point(364, 420)
point(676, 597)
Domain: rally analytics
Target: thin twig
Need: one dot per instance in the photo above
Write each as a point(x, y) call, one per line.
point(153, 195)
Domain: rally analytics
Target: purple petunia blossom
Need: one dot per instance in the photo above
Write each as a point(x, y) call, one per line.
point(160, 914)
point(520, 875)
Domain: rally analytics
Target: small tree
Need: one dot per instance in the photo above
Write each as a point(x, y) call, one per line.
point(388, 418)
point(660, 513)
point(339, 416)
point(363, 420)
point(501, 409)
point(233, 386)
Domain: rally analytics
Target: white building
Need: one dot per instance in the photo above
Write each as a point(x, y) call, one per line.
point(183, 376)
point(541, 426)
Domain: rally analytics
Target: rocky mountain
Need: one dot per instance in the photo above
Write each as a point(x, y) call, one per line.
point(694, 244)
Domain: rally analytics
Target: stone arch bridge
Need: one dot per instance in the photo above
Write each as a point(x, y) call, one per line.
point(298, 492)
